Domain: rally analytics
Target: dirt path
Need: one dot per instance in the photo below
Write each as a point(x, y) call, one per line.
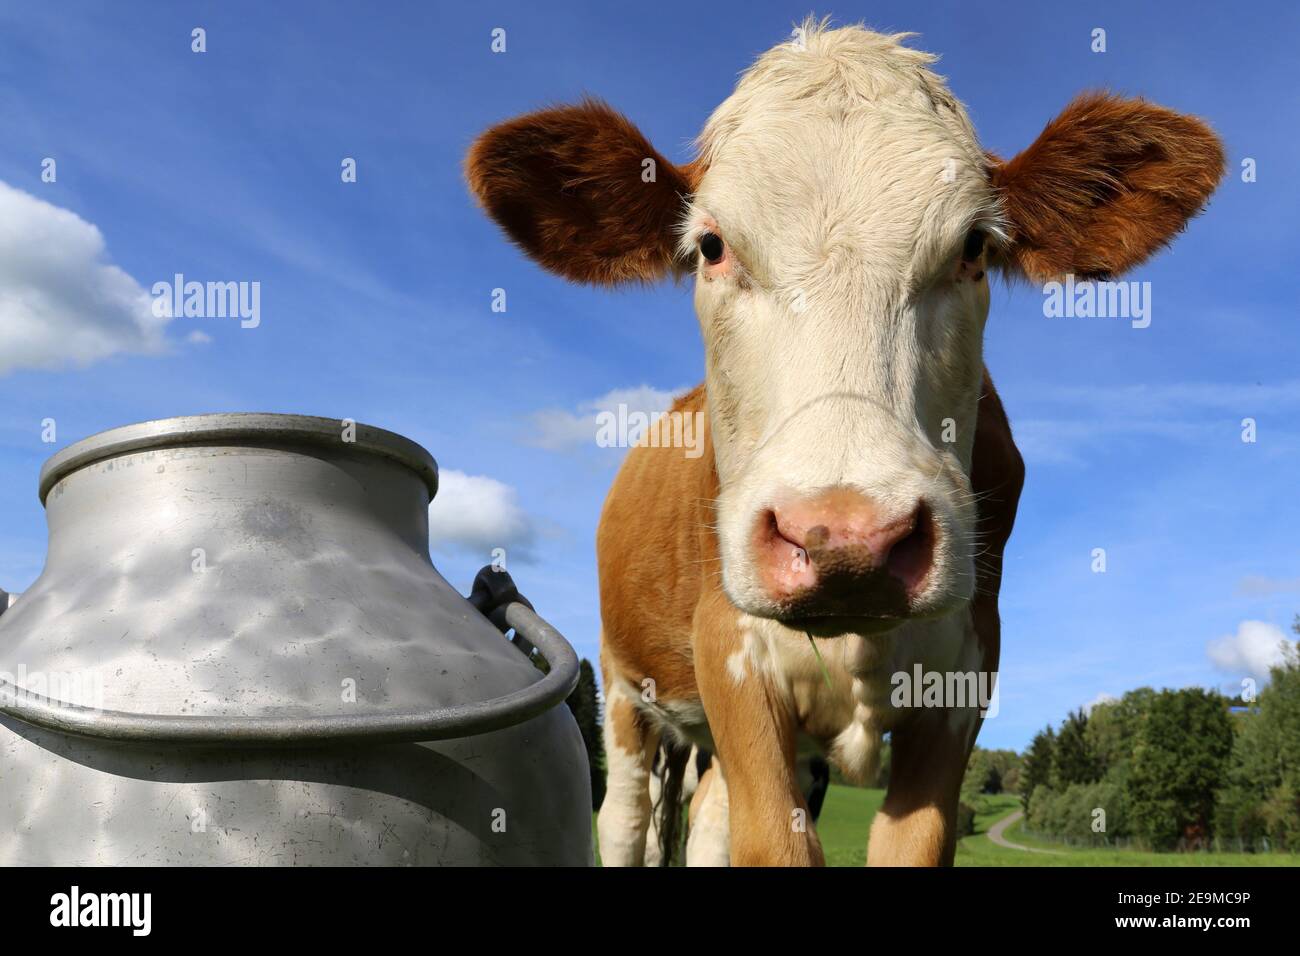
point(996, 831)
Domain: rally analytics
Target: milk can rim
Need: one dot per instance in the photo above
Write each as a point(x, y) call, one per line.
point(242, 428)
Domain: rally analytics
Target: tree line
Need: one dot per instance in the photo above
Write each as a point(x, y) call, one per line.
point(1173, 769)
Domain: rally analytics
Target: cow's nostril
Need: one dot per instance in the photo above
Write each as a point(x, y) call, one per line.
point(911, 557)
point(836, 554)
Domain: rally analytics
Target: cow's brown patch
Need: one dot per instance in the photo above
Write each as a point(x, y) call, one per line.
point(627, 726)
point(657, 552)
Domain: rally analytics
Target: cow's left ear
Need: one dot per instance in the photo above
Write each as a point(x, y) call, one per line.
point(1107, 184)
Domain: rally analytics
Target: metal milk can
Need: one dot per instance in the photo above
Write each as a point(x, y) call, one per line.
point(240, 652)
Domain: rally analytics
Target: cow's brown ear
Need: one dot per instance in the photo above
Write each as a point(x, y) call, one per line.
point(583, 192)
point(1107, 184)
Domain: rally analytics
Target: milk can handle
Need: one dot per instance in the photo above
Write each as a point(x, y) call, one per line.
point(497, 598)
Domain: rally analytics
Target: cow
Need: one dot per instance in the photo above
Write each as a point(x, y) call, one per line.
point(844, 528)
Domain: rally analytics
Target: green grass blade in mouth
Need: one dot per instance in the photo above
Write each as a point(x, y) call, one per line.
point(825, 672)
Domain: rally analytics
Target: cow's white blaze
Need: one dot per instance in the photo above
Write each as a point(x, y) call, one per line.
point(843, 335)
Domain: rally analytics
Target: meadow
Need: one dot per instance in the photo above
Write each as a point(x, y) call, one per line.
point(846, 823)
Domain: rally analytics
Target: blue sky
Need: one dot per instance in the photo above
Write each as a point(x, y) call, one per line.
point(376, 295)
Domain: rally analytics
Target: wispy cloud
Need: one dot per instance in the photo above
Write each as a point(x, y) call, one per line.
point(1060, 441)
point(1081, 419)
point(558, 429)
point(1256, 585)
point(1180, 398)
point(1101, 698)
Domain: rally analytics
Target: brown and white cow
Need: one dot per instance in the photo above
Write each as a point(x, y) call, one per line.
point(859, 479)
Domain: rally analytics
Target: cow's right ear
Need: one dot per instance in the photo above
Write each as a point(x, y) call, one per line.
point(582, 191)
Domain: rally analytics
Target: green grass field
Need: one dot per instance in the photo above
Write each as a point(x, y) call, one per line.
point(846, 822)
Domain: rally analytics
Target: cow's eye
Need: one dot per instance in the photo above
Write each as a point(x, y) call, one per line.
point(973, 246)
point(712, 248)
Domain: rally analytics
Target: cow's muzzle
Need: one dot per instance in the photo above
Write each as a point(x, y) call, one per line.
point(839, 554)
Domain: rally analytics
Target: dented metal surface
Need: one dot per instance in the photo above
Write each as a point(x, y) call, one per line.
point(264, 572)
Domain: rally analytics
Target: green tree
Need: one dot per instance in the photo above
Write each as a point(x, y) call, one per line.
point(586, 711)
point(1012, 781)
point(982, 775)
point(1036, 767)
point(1180, 759)
point(1262, 798)
point(1004, 762)
point(1112, 732)
point(965, 819)
point(1073, 760)
point(1073, 813)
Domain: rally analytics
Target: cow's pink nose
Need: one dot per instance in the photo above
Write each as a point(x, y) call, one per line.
point(841, 554)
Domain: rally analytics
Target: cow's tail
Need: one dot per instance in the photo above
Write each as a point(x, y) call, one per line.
point(673, 755)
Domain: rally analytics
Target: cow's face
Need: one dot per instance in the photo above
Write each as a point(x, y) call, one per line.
point(839, 222)
point(838, 235)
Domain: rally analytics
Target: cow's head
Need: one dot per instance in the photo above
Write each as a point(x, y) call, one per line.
point(840, 223)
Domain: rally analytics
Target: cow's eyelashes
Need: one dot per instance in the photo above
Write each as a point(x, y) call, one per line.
point(712, 248)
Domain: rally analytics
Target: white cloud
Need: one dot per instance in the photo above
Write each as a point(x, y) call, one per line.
point(557, 429)
point(1256, 647)
point(61, 303)
point(1102, 698)
point(474, 513)
point(198, 338)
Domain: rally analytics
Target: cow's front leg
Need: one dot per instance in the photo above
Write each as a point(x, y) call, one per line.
point(630, 744)
point(754, 735)
point(916, 825)
point(709, 842)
